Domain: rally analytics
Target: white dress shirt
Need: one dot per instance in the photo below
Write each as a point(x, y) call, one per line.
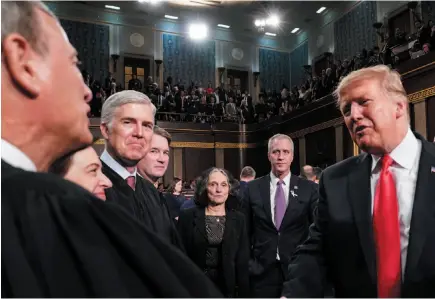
point(273, 185)
point(15, 157)
point(404, 169)
point(116, 167)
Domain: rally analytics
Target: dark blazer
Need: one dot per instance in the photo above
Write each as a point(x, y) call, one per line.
point(341, 246)
point(235, 247)
point(265, 239)
point(144, 203)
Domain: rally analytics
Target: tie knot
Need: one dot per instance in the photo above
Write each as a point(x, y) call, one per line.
point(280, 182)
point(131, 181)
point(387, 161)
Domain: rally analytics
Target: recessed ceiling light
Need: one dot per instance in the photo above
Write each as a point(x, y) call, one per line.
point(321, 9)
point(171, 17)
point(223, 26)
point(273, 21)
point(270, 34)
point(295, 30)
point(112, 7)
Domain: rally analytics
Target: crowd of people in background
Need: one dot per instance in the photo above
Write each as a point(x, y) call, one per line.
point(200, 104)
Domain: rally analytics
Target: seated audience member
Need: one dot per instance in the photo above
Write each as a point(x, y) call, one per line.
point(83, 168)
point(214, 236)
point(59, 239)
point(174, 198)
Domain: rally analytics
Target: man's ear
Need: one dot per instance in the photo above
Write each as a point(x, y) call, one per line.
point(104, 128)
point(21, 62)
point(401, 109)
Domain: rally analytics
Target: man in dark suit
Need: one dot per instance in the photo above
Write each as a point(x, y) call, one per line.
point(374, 228)
point(278, 209)
point(127, 124)
point(246, 175)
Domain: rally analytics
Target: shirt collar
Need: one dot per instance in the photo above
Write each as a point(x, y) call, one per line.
point(404, 154)
point(115, 166)
point(274, 180)
point(15, 157)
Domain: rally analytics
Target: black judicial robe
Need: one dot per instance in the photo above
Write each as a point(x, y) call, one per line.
point(143, 203)
point(58, 240)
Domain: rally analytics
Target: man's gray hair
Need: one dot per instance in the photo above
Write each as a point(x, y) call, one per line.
point(279, 136)
point(122, 98)
point(20, 17)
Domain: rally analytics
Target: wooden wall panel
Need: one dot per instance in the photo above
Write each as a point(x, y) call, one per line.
point(430, 116)
point(257, 159)
point(196, 160)
point(347, 143)
point(295, 168)
point(232, 161)
point(320, 148)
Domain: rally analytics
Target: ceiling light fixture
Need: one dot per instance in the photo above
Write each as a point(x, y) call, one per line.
point(321, 9)
point(270, 34)
point(112, 7)
point(260, 23)
point(171, 17)
point(223, 26)
point(273, 20)
point(295, 30)
point(198, 31)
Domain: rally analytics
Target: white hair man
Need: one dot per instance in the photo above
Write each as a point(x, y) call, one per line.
point(278, 211)
point(127, 123)
point(60, 240)
point(374, 228)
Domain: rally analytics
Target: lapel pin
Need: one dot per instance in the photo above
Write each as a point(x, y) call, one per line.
point(296, 188)
point(293, 193)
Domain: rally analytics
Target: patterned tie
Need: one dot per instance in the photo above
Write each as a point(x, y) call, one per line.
point(387, 233)
point(131, 181)
point(280, 205)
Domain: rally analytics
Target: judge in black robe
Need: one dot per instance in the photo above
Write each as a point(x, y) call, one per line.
point(61, 241)
point(143, 203)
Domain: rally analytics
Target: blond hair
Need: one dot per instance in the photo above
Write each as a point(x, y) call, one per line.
point(389, 80)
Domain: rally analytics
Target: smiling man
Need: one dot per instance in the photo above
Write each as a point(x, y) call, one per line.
point(127, 123)
point(374, 228)
point(278, 209)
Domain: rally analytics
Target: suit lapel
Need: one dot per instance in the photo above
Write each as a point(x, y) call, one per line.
point(423, 208)
point(359, 191)
point(265, 197)
point(291, 200)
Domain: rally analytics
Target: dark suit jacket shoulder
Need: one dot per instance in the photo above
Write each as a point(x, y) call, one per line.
point(235, 247)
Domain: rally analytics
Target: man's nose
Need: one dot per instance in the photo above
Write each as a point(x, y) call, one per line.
point(88, 93)
point(355, 112)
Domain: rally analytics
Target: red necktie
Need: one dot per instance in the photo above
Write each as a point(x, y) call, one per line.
point(387, 233)
point(131, 181)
